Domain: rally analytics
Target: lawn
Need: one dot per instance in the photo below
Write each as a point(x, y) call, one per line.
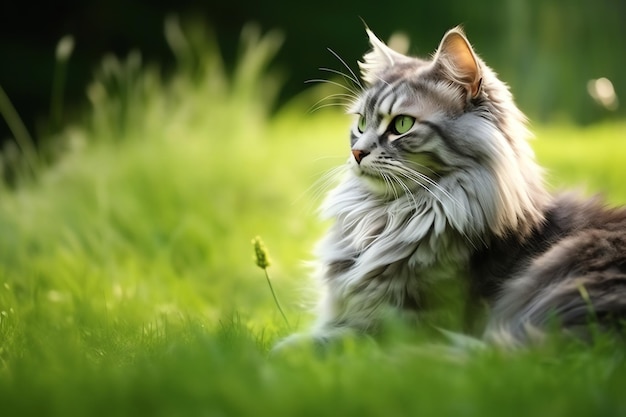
point(128, 287)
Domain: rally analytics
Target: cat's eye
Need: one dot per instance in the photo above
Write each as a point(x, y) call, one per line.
point(402, 124)
point(361, 124)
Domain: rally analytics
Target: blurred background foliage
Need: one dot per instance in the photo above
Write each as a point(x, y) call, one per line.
point(547, 50)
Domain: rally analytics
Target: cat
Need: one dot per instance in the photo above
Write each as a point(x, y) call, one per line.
point(443, 193)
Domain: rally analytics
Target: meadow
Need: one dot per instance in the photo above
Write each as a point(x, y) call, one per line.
point(128, 285)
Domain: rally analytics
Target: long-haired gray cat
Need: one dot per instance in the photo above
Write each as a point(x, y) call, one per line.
point(443, 193)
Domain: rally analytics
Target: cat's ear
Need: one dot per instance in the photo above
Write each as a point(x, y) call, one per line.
point(376, 61)
point(458, 61)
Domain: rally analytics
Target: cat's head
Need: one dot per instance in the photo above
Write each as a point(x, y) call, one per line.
point(445, 126)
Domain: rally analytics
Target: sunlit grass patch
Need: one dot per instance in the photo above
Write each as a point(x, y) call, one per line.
point(589, 159)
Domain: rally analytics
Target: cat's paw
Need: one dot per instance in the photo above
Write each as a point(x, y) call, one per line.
point(297, 342)
point(321, 343)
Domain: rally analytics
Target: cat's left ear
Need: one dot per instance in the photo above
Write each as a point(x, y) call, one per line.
point(379, 59)
point(458, 61)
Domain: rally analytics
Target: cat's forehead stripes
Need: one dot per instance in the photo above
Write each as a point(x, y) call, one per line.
point(387, 98)
point(420, 98)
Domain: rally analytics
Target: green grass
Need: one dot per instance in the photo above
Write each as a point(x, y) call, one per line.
point(128, 287)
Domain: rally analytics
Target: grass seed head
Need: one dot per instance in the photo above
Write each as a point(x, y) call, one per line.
point(261, 255)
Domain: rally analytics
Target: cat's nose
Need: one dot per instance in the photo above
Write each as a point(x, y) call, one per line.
point(359, 155)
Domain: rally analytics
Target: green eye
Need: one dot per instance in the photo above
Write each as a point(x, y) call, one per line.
point(362, 124)
point(402, 124)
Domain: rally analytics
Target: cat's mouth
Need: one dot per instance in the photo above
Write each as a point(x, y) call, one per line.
point(368, 173)
point(422, 166)
point(360, 171)
point(397, 180)
point(383, 183)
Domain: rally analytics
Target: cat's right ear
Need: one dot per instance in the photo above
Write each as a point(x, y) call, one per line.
point(379, 59)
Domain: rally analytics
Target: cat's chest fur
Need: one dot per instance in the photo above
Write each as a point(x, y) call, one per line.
point(388, 252)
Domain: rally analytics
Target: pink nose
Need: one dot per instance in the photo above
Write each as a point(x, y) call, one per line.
point(359, 155)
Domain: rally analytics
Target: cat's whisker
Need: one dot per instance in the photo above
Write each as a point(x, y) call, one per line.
point(392, 181)
point(322, 106)
point(347, 98)
point(395, 180)
point(381, 79)
point(414, 178)
point(417, 178)
point(408, 193)
point(345, 76)
point(354, 76)
point(420, 167)
point(342, 99)
point(388, 183)
point(322, 185)
point(335, 83)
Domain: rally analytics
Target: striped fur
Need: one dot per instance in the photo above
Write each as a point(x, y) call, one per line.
point(458, 200)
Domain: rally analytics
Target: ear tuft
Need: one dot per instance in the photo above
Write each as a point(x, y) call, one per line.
point(378, 59)
point(459, 62)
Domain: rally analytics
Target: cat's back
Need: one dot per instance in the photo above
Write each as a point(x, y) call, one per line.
point(577, 254)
